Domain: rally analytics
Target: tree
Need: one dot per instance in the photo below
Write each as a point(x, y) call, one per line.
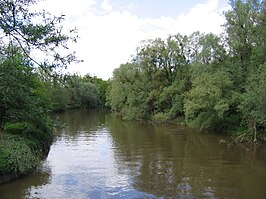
point(38, 32)
point(207, 104)
point(22, 95)
point(245, 27)
point(60, 95)
point(101, 87)
point(127, 92)
point(25, 101)
point(153, 82)
point(253, 103)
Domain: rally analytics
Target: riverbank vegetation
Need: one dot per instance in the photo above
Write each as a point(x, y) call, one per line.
point(213, 81)
point(26, 104)
point(76, 92)
point(202, 80)
point(30, 89)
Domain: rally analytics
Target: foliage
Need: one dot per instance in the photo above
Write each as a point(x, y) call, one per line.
point(35, 31)
point(16, 156)
point(253, 103)
point(22, 95)
point(208, 101)
point(26, 84)
point(24, 105)
point(155, 78)
point(59, 97)
point(78, 92)
point(214, 82)
point(101, 87)
point(41, 137)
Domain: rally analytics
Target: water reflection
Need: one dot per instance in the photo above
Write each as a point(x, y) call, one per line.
point(170, 161)
point(101, 156)
point(21, 188)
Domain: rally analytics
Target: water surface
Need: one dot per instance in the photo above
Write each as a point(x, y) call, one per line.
point(100, 156)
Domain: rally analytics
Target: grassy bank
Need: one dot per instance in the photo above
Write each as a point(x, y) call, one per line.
point(22, 146)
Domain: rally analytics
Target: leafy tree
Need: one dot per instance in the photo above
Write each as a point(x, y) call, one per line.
point(246, 39)
point(89, 95)
point(79, 92)
point(245, 26)
point(60, 96)
point(253, 103)
point(38, 32)
point(127, 92)
point(208, 102)
point(101, 86)
point(25, 99)
point(23, 96)
point(171, 101)
point(155, 78)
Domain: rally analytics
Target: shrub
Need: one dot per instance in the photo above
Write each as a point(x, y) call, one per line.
point(160, 117)
point(38, 137)
point(16, 156)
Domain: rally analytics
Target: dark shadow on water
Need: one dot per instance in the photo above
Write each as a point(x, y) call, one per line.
point(20, 188)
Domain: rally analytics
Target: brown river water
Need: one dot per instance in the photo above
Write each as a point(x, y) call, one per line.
point(100, 156)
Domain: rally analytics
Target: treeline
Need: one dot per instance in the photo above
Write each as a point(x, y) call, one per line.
point(75, 92)
point(212, 81)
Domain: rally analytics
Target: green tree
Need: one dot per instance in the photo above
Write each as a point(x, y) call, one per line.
point(23, 96)
point(60, 95)
point(153, 82)
point(207, 104)
point(25, 99)
point(245, 26)
point(89, 95)
point(253, 103)
point(127, 92)
point(79, 92)
point(35, 31)
point(101, 86)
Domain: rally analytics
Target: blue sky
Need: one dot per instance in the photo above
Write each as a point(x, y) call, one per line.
point(111, 30)
point(157, 8)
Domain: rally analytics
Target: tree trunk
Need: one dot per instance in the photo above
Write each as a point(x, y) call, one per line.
point(254, 132)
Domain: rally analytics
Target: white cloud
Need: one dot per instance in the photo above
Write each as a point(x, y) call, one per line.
point(106, 6)
point(110, 39)
point(67, 7)
point(203, 17)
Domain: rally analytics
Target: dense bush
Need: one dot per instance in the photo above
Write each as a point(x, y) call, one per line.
point(16, 156)
point(39, 138)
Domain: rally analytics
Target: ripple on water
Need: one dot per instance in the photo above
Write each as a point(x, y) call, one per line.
point(100, 156)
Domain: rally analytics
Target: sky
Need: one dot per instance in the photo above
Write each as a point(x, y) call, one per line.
point(111, 30)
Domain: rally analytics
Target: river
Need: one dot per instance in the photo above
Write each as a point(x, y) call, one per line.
point(100, 156)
